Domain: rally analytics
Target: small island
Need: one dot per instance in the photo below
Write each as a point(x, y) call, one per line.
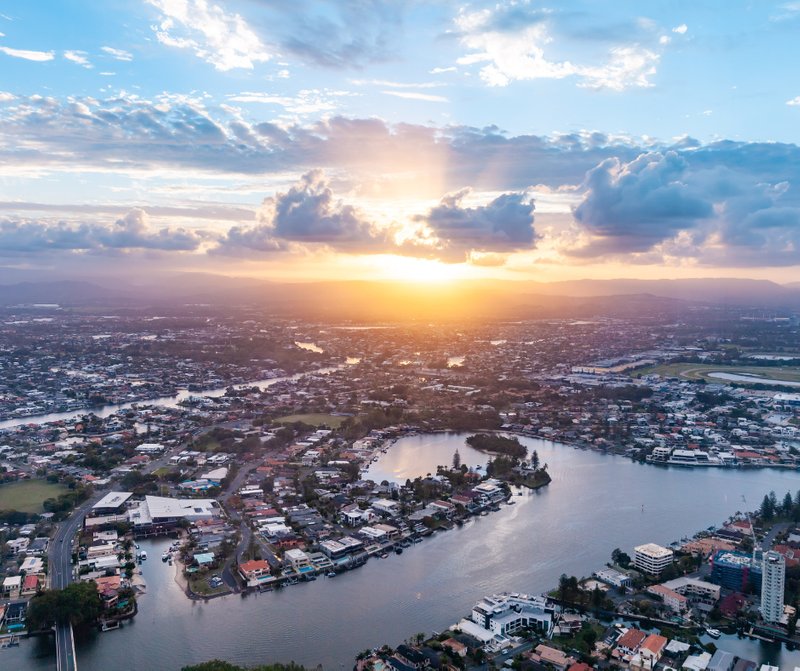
point(509, 465)
point(491, 442)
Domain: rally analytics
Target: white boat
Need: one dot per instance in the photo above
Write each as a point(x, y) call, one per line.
point(713, 633)
point(143, 555)
point(166, 557)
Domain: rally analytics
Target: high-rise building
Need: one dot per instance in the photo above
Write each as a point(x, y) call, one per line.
point(652, 558)
point(773, 575)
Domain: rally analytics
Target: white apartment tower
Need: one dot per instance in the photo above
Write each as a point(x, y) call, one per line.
point(773, 575)
point(652, 558)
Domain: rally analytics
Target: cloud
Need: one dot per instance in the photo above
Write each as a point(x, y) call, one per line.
point(794, 102)
point(336, 34)
point(308, 213)
point(131, 232)
point(118, 54)
point(416, 95)
point(681, 29)
point(633, 206)
point(396, 85)
point(305, 102)
point(78, 57)
point(664, 205)
point(39, 56)
point(439, 71)
point(175, 141)
point(503, 225)
point(508, 42)
point(224, 40)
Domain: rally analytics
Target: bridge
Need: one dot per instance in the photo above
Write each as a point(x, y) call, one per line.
point(61, 575)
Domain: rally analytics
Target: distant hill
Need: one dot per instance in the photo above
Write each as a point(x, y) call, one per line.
point(68, 293)
point(369, 301)
point(715, 290)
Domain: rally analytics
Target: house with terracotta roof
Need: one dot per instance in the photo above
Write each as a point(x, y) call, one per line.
point(674, 601)
point(552, 656)
point(253, 570)
point(653, 648)
point(630, 641)
point(30, 585)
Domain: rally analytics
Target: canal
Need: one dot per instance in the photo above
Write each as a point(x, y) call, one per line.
point(594, 504)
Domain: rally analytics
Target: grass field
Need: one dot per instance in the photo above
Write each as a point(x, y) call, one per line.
point(27, 496)
point(694, 371)
point(314, 419)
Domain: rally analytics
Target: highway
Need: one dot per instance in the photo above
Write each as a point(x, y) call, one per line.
point(59, 558)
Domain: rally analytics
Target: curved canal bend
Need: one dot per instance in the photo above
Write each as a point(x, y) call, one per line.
point(595, 503)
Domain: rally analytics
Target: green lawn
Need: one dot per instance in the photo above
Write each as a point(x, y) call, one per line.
point(199, 585)
point(314, 419)
point(27, 496)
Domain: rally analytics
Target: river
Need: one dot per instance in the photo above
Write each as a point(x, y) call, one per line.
point(595, 503)
point(163, 401)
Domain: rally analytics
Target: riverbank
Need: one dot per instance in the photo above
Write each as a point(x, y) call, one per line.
point(598, 501)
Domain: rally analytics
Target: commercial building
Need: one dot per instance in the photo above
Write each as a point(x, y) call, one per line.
point(773, 576)
point(158, 514)
point(736, 571)
point(504, 614)
point(652, 558)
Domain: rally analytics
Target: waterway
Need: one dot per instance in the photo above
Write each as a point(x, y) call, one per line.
point(163, 401)
point(595, 503)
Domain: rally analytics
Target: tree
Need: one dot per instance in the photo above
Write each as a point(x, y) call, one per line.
point(621, 558)
point(78, 603)
point(589, 636)
point(456, 460)
point(786, 506)
point(535, 460)
point(767, 510)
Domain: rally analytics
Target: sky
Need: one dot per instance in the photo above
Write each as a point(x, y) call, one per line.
point(401, 139)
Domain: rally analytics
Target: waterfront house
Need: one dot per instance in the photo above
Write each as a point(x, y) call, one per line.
point(697, 662)
point(298, 560)
point(412, 657)
point(721, 660)
point(204, 558)
point(455, 646)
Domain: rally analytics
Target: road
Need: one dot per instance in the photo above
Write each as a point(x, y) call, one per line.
point(59, 561)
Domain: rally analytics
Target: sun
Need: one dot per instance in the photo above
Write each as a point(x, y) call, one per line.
point(422, 271)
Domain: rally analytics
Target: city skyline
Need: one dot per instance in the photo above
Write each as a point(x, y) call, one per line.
point(414, 140)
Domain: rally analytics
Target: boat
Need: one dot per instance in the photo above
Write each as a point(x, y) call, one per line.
point(166, 557)
point(143, 555)
point(398, 551)
point(331, 574)
point(417, 540)
point(713, 633)
point(384, 555)
point(110, 626)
